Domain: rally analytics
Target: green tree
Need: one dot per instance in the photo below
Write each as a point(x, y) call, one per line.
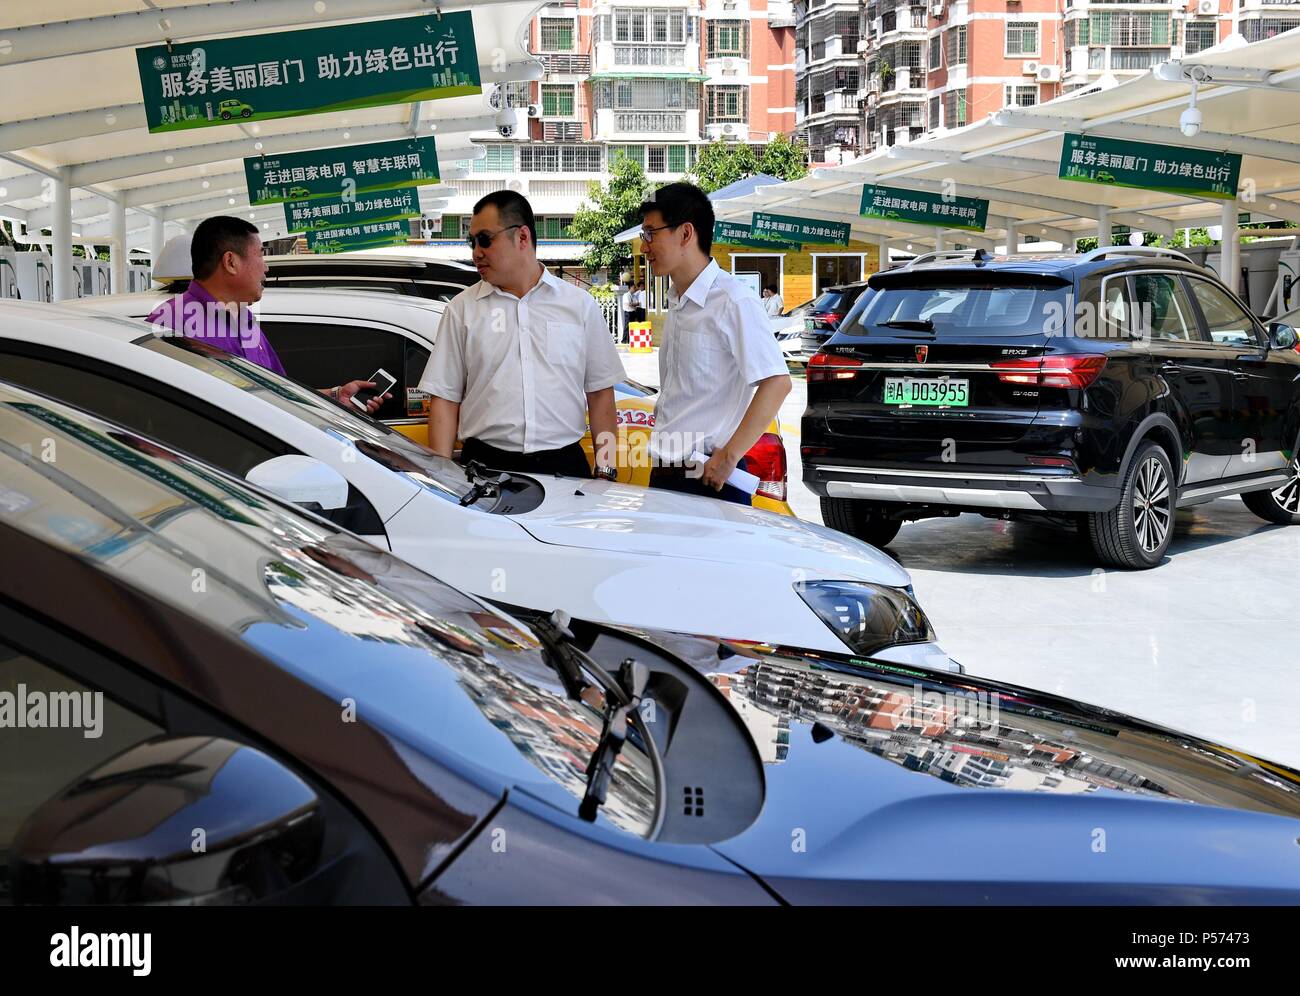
point(613, 208)
point(722, 163)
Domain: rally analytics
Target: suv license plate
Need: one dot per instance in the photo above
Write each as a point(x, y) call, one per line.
point(938, 393)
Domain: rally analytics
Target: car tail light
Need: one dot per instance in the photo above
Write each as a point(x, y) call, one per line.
point(766, 460)
point(1058, 370)
point(831, 366)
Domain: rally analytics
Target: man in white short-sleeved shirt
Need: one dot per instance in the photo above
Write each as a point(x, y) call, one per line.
point(722, 377)
point(522, 359)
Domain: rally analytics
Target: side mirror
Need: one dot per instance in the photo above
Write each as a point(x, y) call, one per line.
point(175, 820)
point(1281, 336)
point(302, 480)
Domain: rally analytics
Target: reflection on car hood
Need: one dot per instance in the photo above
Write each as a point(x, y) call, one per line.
point(624, 519)
point(867, 762)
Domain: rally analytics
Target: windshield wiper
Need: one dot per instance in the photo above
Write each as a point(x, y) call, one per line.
point(632, 678)
point(562, 652)
point(484, 486)
point(912, 324)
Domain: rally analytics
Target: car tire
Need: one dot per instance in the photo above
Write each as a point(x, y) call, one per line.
point(859, 519)
point(1280, 505)
point(225, 115)
point(245, 113)
point(1135, 533)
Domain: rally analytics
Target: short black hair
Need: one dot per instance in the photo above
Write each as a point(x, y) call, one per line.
point(680, 203)
point(215, 237)
point(513, 209)
point(773, 288)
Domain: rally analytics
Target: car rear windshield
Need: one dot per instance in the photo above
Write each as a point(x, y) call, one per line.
point(830, 301)
point(941, 307)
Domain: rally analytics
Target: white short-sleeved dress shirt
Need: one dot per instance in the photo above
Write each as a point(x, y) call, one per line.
point(521, 367)
point(718, 345)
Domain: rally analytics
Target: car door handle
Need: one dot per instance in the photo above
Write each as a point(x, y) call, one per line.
point(1170, 369)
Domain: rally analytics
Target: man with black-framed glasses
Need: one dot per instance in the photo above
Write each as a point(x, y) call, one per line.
point(522, 360)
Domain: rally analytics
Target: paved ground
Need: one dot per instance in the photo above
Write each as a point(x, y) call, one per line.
point(1205, 642)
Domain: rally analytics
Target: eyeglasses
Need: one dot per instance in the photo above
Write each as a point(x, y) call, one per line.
point(483, 239)
point(648, 234)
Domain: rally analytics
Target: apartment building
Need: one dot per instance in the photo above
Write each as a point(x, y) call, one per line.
point(652, 81)
point(906, 69)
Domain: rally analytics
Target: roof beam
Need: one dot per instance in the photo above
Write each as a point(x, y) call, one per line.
point(1062, 205)
point(154, 26)
point(1265, 148)
point(26, 134)
point(122, 167)
point(946, 157)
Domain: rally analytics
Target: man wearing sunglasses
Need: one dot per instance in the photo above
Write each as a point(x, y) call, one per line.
point(722, 377)
point(522, 360)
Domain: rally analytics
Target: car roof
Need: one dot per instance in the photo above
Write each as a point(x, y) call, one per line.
point(404, 310)
point(1061, 264)
point(395, 263)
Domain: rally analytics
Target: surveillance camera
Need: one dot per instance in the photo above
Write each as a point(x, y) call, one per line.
point(1190, 121)
point(505, 131)
point(494, 100)
point(505, 122)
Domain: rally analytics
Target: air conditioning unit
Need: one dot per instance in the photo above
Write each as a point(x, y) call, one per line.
point(729, 5)
point(534, 110)
point(937, 10)
point(728, 129)
point(1207, 7)
point(1029, 67)
point(728, 65)
point(1049, 74)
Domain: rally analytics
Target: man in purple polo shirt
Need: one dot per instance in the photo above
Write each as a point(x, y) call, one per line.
point(228, 272)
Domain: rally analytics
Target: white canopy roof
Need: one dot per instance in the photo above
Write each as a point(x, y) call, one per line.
point(73, 111)
point(1250, 99)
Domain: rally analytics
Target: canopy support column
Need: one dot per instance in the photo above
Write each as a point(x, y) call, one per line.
point(118, 250)
point(61, 231)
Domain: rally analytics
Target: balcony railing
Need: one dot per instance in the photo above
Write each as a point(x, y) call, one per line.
point(567, 63)
point(650, 122)
point(649, 55)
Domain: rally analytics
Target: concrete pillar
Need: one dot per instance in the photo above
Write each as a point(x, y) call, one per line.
point(938, 240)
point(1230, 246)
point(1103, 226)
point(155, 241)
point(1013, 237)
point(61, 230)
point(884, 252)
point(118, 250)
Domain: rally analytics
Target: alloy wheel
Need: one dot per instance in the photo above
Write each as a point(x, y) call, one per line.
point(1152, 513)
point(1288, 495)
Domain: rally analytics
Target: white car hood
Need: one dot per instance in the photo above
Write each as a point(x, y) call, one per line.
point(629, 520)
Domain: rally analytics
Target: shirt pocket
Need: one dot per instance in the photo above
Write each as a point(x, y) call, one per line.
point(564, 345)
point(702, 356)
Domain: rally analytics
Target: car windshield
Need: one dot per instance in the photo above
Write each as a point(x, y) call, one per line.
point(829, 301)
point(971, 308)
point(437, 474)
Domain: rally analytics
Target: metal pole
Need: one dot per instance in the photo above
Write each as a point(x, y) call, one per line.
point(938, 240)
point(1228, 246)
point(1013, 238)
point(118, 250)
point(61, 230)
point(1103, 226)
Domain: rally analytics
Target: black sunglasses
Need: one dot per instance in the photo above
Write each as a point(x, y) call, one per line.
point(483, 239)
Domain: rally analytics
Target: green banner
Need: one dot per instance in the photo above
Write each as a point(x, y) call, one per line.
point(1171, 168)
point(728, 233)
point(346, 238)
point(917, 207)
point(296, 176)
point(783, 226)
point(367, 208)
point(283, 74)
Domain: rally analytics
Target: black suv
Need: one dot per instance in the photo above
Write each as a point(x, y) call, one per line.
point(1108, 389)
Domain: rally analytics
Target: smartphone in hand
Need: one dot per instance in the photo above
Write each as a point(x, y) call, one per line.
point(383, 382)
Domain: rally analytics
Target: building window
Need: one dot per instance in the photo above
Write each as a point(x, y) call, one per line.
point(499, 159)
point(557, 100)
point(1025, 95)
point(519, 94)
point(1022, 38)
point(645, 94)
point(557, 34)
point(676, 159)
point(554, 228)
point(657, 25)
point(936, 52)
point(957, 45)
point(1128, 28)
point(728, 103)
point(1076, 33)
point(954, 108)
point(1201, 35)
point(934, 113)
point(634, 152)
point(1257, 29)
point(728, 38)
point(560, 158)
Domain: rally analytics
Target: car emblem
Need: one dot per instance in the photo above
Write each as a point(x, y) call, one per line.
point(921, 353)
